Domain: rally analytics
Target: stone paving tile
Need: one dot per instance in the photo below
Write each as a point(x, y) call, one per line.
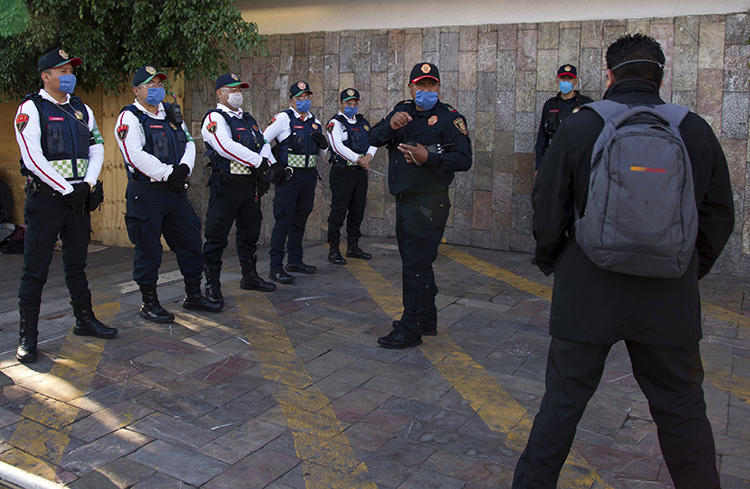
point(424, 479)
point(256, 470)
point(186, 465)
point(120, 474)
point(242, 441)
point(108, 420)
point(172, 430)
point(161, 481)
point(102, 451)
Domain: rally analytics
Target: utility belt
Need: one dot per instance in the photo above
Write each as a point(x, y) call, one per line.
point(225, 177)
point(65, 167)
point(302, 161)
point(158, 185)
point(338, 160)
point(34, 186)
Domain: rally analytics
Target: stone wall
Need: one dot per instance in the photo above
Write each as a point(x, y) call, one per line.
point(498, 76)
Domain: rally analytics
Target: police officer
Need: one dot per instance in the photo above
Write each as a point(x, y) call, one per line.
point(567, 101)
point(62, 153)
point(427, 142)
point(159, 154)
point(350, 158)
point(238, 156)
point(300, 143)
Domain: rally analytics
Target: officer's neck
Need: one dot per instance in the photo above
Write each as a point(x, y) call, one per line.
point(568, 96)
point(299, 114)
point(154, 109)
point(57, 94)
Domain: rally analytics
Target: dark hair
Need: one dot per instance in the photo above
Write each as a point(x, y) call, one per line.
point(636, 47)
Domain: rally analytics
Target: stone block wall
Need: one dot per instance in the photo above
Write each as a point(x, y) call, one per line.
point(498, 77)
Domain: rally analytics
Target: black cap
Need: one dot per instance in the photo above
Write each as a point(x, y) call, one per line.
point(567, 70)
point(298, 88)
point(424, 70)
point(146, 73)
point(56, 58)
point(230, 80)
point(349, 94)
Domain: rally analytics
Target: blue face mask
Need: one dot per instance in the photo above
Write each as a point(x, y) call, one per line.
point(303, 106)
point(155, 95)
point(67, 83)
point(350, 111)
point(426, 99)
point(566, 86)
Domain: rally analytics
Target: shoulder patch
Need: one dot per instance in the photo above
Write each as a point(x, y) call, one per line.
point(21, 121)
point(432, 120)
point(450, 108)
point(367, 128)
point(461, 125)
point(122, 131)
point(329, 127)
point(273, 119)
point(211, 127)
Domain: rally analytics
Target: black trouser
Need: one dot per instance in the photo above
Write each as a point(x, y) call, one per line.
point(420, 222)
point(46, 215)
point(292, 204)
point(670, 378)
point(153, 210)
point(348, 195)
point(232, 199)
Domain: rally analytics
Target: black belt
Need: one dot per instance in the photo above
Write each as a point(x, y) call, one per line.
point(234, 177)
point(159, 185)
point(35, 186)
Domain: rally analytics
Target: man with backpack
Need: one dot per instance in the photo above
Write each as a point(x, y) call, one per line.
point(632, 206)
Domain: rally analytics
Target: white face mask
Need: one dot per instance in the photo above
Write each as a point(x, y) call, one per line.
point(235, 99)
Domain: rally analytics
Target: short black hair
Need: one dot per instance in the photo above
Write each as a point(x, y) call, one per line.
point(634, 47)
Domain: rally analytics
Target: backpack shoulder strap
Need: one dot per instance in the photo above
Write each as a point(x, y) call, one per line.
point(606, 109)
point(673, 113)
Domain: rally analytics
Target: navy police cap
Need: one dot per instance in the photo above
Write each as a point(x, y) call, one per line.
point(422, 71)
point(349, 94)
point(567, 70)
point(230, 80)
point(145, 74)
point(55, 59)
point(298, 88)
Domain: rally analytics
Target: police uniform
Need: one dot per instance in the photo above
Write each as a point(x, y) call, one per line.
point(238, 155)
point(348, 138)
point(296, 153)
point(555, 110)
point(422, 203)
point(62, 153)
point(159, 153)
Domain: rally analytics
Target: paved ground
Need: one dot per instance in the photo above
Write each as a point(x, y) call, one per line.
point(288, 390)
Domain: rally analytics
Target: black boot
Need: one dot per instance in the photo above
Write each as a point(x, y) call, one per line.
point(334, 255)
point(194, 299)
point(151, 309)
point(354, 251)
point(26, 352)
point(86, 322)
point(213, 285)
point(251, 280)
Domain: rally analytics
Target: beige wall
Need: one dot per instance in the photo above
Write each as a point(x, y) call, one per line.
point(292, 16)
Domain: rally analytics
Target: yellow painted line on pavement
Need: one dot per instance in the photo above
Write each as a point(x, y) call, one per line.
point(328, 460)
point(737, 386)
point(40, 439)
point(482, 391)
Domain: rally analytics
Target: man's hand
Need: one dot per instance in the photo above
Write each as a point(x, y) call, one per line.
point(77, 198)
point(416, 154)
point(399, 120)
point(176, 179)
point(320, 140)
point(364, 161)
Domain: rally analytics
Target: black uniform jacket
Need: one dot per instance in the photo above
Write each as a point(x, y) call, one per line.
point(596, 306)
point(442, 125)
point(562, 109)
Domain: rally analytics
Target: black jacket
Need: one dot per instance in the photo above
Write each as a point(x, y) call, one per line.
point(597, 306)
point(442, 125)
point(554, 112)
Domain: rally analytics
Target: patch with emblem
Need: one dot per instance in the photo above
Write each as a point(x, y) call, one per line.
point(461, 126)
point(21, 121)
point(255, 128)
point(173, 126)
point(425, 68)
point(235, 77)
point(350, 92)
point(329, 127)
point(432, 120)
point(576, 110)
point(301, 85)
point(367, 128)
point(150, 70)
point(63, 54)
point(450, 108)
point(567, 68)
point(273, 119)
point(314, 126)
point(122, 131)
point(79, 115)
point(211, 127)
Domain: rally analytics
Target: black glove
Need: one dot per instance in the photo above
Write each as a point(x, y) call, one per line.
point(177, 179)
point(77, 198)
point(96, 196)
point(275, 174)
point(320, 140)
point(263, 182)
